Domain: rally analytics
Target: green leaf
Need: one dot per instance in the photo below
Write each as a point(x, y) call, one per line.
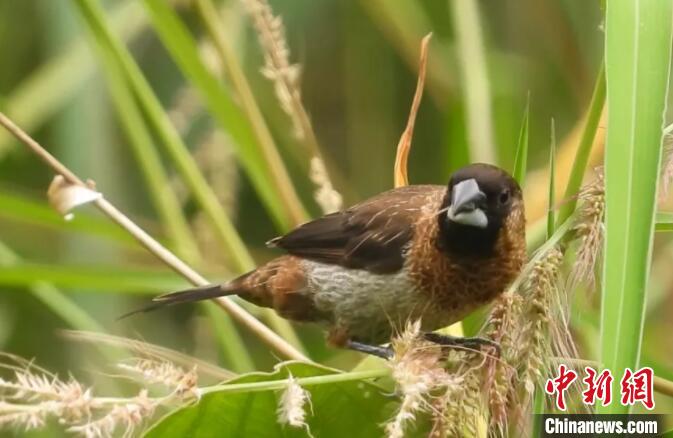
point(521, 160)
point(637, 63)
point(247, 406)
point(551, 220)
point(98, 278)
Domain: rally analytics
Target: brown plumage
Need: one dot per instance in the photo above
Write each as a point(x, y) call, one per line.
point(433, 253)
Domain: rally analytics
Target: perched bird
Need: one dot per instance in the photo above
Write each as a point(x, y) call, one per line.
point(422, 252)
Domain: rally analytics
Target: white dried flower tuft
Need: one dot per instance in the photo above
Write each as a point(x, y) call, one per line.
point(65, 196)
point(292, 405)
point(183, 383)
point(34, 396)
point(418, 370)
point(325, 195)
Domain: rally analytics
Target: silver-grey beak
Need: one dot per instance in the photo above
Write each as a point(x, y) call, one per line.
point(466, 202)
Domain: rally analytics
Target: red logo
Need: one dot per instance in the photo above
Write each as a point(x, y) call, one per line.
point(635, 386)
point(638, 387)
point(599, 386)
point(560, 384)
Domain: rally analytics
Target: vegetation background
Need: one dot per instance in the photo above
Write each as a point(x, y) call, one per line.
point(487, 61)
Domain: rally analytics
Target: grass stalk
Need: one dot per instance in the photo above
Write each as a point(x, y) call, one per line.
point(272, 385)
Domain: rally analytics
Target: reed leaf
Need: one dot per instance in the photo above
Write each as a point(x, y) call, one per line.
point(637, 65)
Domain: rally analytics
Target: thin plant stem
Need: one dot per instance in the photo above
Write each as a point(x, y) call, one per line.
point(302, 381)
point(238, 313)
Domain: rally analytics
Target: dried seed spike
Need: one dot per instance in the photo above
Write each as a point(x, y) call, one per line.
point(589, 230)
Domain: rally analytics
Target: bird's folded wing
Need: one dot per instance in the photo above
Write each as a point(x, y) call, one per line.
point(371, 236)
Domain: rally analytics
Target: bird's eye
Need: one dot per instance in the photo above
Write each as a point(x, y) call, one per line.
point(504, 197)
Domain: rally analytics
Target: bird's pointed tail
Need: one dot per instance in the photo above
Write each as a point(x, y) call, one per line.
point(184, 296)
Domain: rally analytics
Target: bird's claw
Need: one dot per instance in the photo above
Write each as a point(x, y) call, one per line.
point(384, 352)
point(474, 343)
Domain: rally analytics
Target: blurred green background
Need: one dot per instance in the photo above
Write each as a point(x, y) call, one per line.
point(358, 74)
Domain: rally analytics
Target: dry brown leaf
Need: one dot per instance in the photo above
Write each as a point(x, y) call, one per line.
point(404, 145)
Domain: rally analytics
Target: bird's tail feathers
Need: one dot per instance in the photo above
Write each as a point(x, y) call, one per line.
point(185, 296)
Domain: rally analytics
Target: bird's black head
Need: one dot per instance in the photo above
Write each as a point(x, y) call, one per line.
point(481, 200)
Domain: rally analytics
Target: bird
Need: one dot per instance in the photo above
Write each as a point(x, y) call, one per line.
point(428, 253)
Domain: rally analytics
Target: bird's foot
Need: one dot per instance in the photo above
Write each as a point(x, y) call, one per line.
point(456, 341)
point(384, 352)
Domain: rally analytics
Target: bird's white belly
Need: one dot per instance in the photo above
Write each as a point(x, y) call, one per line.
point(370, 307)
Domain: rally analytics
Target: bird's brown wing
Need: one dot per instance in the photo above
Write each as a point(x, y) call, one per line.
point(371, 235)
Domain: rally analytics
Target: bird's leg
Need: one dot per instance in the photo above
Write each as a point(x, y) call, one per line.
point(375, 350)
point(455, 341)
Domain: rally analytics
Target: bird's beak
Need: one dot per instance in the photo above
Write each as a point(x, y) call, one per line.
point(466, 204)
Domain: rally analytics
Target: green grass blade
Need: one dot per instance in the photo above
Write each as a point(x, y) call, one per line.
point(637, 65)
point(30, 211)
point(593, 117)
point(91, 278)
point(551, 220)
point(261, 160)
point(521, 160)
